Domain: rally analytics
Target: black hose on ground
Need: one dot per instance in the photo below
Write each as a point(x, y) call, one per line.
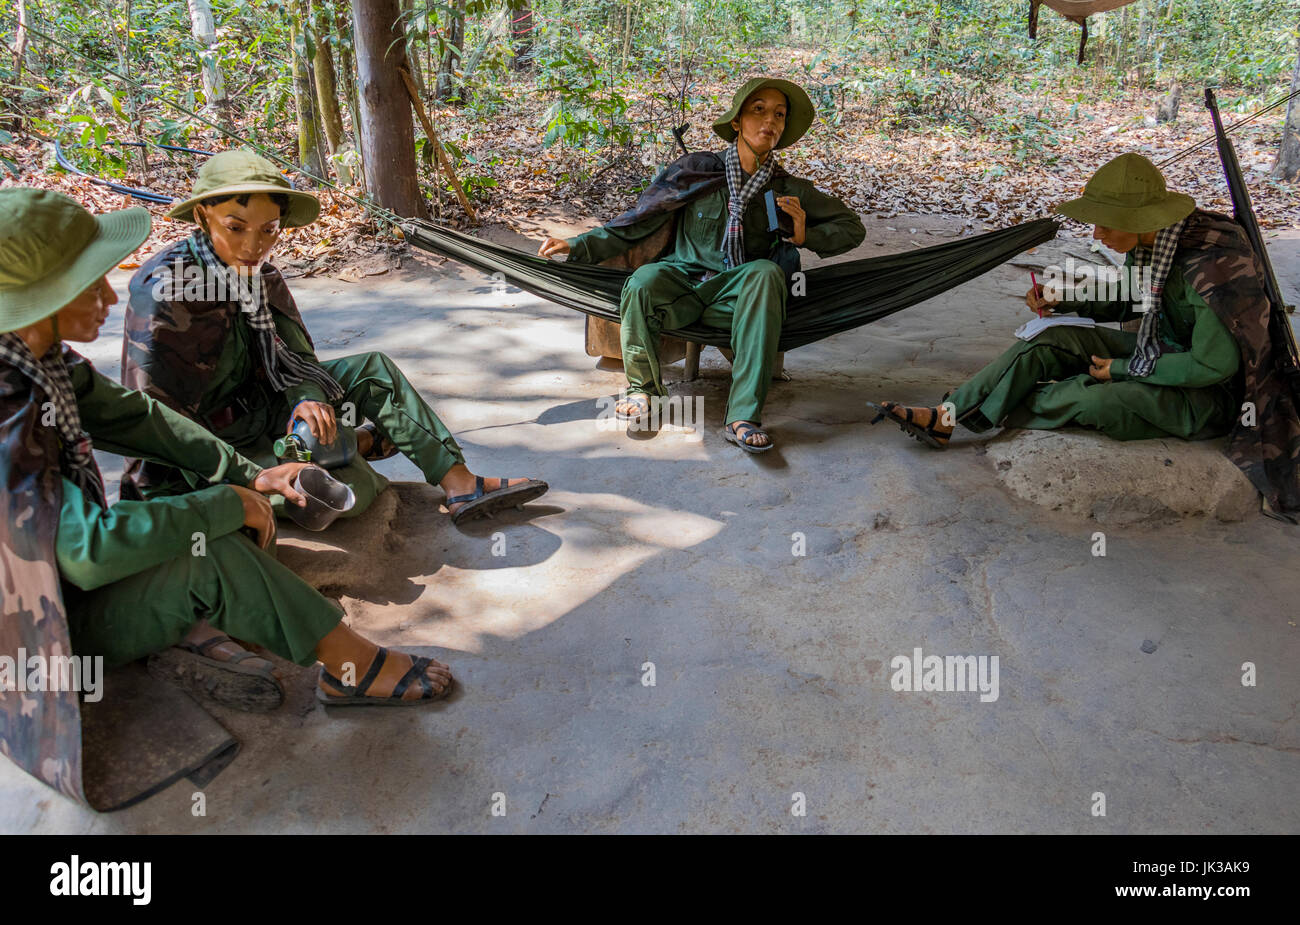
point(146, 195)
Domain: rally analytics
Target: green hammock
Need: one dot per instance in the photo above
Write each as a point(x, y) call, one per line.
point(840, 296)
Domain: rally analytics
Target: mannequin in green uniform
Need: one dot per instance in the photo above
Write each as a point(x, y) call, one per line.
point(138, 576)
point(743, 290)
point(198, 348)
point(1081, 376)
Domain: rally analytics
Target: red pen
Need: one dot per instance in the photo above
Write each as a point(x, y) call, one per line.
point(1034, 279)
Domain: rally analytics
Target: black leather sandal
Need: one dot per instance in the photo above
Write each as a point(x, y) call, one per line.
point(484, 503)
point(642, 402)
point(234, 682)
point(356, 695)
point(380, 448)
point(743, 430)
point(902, 416)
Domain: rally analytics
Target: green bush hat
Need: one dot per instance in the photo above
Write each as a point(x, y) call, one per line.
point(1128, 194)
point(52, 250)
point(797, 118)
point(233, 173)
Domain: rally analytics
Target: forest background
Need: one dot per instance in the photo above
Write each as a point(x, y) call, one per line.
point(547, 107)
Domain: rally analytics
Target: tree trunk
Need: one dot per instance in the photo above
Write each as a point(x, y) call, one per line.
point(627, 33)
point(347, 69)
point(386, 126)
point(500, 23)
point(327, 93)
point(205, 33)
point(311, 149)
point(454, 42)
point(521, 32)
point(1288, 153)
point(132, 105)
point(412, 49)
point(20, 41)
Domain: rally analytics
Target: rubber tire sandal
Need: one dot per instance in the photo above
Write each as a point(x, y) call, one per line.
point(936, 439)
point(379, 447)
point(483, 503)
point(642, 401)
point(356, 696)
point(230, 683)
point(746, 429)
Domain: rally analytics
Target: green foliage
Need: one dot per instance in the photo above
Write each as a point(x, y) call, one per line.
point(591, 107)
point(618, 75)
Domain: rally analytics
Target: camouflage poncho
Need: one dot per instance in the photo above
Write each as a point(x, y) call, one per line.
point(1218, 262)
point(684, 180)
point(173, 345)
point(40, 732)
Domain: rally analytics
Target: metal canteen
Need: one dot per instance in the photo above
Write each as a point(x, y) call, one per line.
point(301, 446)
point(327, 499)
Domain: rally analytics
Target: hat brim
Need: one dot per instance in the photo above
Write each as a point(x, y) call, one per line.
point(1140, 220)
point(120, 235)
point(304, 208)
point(798, 119)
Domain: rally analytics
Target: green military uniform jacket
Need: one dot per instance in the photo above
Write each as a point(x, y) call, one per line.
point(831, 228)
point(196, 355)
point(50, 532)
point(1198, 349)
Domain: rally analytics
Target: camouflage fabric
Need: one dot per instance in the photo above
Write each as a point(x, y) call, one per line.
point(39, 731)
point(689, 176)
point(171, 346)
point(685, 179)
point(1218, 262)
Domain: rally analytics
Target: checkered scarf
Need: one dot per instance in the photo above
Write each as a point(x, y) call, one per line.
point(1160, 257)
point(740, 192)
point(50, 375)
point(283, 367)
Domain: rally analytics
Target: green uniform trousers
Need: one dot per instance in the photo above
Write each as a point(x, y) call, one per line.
point(749, 301)
point(236, 587)
point(1043, 384)
point(378, 391)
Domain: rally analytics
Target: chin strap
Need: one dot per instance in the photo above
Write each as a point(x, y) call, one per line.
point(758, 160)
point(54, 321)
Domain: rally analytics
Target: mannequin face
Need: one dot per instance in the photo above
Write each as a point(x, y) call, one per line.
point(1121, 242)
point(242, 235)
point(762, 120)
point(81, 319)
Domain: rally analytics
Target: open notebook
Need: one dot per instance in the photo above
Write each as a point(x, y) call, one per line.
point(1032, 328)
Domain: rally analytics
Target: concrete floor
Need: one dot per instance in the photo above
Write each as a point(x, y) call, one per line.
point(772, 671)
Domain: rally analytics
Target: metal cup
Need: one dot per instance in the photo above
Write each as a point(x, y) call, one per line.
point(327, 499)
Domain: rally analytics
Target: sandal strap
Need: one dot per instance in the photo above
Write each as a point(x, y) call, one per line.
point(416, 672)
point(207, 645)
point(749, 429)
point(371, 673)
point(380, 446)
point(479, 491)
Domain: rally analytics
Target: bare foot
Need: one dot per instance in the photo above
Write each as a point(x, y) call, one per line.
point(634, 405)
